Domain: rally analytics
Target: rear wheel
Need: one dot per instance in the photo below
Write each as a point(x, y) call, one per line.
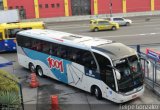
point(114, 28)
point(39, 71)
point(31, 67)
point(96, 29)
point(127, 23)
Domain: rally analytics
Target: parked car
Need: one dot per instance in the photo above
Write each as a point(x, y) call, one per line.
point(102, 24)
point(121, 21)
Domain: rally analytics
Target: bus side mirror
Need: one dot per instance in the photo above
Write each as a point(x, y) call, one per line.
point(118, 75)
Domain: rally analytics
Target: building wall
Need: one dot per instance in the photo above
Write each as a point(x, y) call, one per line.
point(27, 4)
point(138, 5)
point(69, 6)
point(56, 8)
point(92, 7)
point(104, 6)
point(157, 4)
point(51, 8)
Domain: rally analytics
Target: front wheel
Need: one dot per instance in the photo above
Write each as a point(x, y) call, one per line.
point(96, 30)
point(114, 28)
point(31, 67)
point(98, 93)
point(39, 71)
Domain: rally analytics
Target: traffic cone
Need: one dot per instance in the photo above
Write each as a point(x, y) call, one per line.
point(34, 82)
point(54, 102)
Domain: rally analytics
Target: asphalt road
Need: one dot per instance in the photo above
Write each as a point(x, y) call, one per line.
point(140, 32)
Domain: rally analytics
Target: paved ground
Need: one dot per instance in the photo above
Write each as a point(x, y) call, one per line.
point(70, 98)
point(141, 32)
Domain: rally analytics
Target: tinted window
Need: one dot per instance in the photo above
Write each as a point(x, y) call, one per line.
point(106, 72)
point(11, 33)
point(0, 35)
point(52, 5)
point(58, 5)
point(17, 7)
point(103, 22)
point(40, 5)
point(46, 5)
point(117, 19)
point(80, 56)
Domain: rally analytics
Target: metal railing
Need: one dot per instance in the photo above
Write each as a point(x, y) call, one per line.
point(151, 69)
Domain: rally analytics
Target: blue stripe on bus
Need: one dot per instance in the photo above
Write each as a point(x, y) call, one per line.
point(62, 76)
point(5, 64)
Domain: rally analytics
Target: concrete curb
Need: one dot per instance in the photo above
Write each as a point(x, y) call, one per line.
point(87, 17)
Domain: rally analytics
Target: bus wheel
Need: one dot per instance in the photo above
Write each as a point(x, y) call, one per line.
point(39, 71)
point(98, 93)
point(31, 67)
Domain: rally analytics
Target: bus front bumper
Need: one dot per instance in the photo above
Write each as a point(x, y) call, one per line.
point(124, 97)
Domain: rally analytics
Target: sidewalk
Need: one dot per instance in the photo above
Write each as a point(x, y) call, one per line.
point(87, 17)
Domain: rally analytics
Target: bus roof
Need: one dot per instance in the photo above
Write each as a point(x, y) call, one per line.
point(113, 49)
point(19, 25)
point(64, 38)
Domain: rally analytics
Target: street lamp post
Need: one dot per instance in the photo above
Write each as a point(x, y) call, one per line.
point(110, 7)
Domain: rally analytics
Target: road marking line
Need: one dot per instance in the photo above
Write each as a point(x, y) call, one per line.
point(153, 33)
point(131, 35)
point(142, 34)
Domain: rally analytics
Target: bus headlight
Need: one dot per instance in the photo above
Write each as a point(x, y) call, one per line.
point(14, 48)
point(6, 44)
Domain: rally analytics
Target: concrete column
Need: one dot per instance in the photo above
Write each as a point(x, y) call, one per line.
point(36, 6)
point(95, 7)
point(124, 6)
point(5, 5)
point(152, 5)
point(66, 7)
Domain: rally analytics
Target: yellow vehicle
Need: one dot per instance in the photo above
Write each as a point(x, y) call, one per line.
point(9, 30)
point(102, 24)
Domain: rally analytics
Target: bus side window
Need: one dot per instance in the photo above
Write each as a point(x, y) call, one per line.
point(46, 47)
point(106, 73)
point(88, 60)
point(26, 28)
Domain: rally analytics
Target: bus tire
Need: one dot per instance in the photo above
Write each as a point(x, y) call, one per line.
point(98, 93)
point(39, 71)
point(92, 90)
point(31, 67)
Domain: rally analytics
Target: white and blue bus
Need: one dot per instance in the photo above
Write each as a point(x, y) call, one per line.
point(102, 67)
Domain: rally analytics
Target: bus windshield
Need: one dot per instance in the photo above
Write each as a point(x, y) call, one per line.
point(131, 73)
point(11, 33)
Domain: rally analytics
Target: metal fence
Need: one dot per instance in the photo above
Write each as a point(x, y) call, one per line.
point(10, 107)
point(151, 69)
